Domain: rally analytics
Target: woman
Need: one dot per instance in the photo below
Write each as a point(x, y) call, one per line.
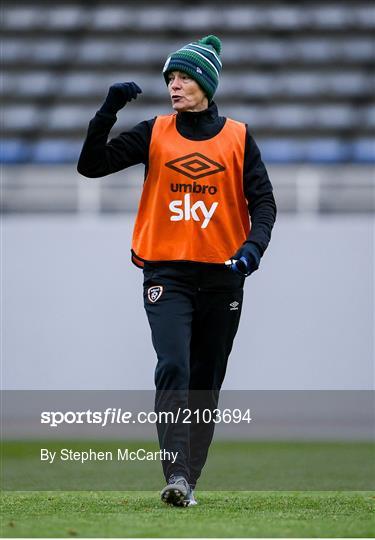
point(193, 239)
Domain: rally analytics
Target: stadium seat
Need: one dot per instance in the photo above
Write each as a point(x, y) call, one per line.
point(22, 18)
point(66, 18)
point(55, 151)
point(22, 117)
point(28, 85)
point(363, 150)
point(14, 151)
point(68, 117)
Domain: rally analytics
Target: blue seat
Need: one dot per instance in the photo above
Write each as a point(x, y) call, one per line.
point(14, 151)
point(55, 151)
point(363, 150)
point(326, 150)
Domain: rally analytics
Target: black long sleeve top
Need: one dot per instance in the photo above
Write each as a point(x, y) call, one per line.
point(99, 158)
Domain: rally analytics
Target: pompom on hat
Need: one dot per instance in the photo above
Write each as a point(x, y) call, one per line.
point(201, 60)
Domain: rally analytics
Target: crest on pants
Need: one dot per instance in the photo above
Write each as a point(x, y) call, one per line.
point(154, 293)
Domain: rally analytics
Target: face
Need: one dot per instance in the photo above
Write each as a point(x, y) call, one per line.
point(185, 92)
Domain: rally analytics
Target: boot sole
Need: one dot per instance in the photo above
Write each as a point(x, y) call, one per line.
point(174, 495)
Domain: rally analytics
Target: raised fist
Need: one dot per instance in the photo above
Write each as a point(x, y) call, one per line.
point(119, 95)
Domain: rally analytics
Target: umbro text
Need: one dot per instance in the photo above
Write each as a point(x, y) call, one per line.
point(193, 188)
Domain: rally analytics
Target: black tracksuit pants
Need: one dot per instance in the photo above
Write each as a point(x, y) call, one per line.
point(194, 311)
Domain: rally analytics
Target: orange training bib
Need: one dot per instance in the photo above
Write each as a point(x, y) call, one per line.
point(193, 207)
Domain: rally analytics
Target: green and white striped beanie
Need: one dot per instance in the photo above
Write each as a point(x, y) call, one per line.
point(200, 60)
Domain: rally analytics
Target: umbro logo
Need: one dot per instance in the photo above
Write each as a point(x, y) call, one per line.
point(234, 306)
point(154, 293)
point(195, 166)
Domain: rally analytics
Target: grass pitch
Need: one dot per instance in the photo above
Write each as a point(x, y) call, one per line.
point(219, 514)
point(46, 501)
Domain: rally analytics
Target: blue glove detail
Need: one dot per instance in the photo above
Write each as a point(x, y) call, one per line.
point(240, 266)
point(119, 95)
point(246, 260)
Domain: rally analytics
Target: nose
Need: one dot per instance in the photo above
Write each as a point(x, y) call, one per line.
point(176, 83)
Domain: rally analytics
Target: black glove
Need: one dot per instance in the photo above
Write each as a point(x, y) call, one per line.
point(119, 95)
point(246, 260)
